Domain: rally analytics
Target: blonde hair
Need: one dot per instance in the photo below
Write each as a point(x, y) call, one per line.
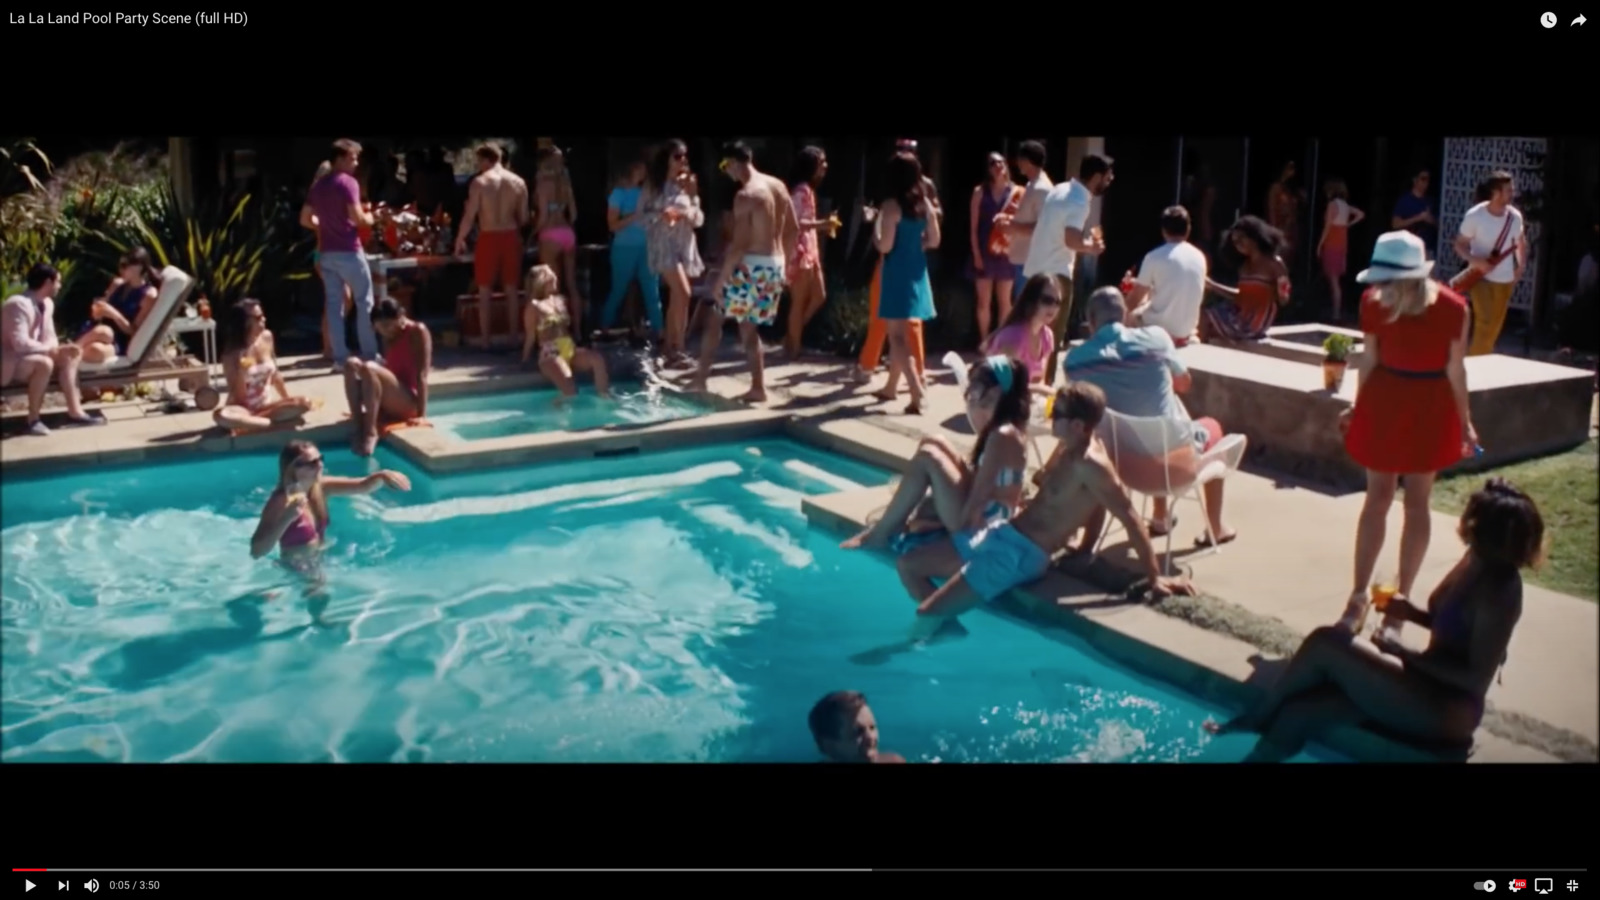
point(1407, 296)
point(322, 170)
point(542, 283)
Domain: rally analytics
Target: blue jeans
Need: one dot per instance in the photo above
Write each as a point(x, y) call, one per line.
point(338, 271)
point(628, 262)
point(1017, 281)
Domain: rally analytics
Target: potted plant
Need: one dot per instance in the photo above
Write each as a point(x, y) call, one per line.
point(1337, 349)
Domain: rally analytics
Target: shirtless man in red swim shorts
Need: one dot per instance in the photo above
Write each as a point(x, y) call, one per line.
point(497, 202)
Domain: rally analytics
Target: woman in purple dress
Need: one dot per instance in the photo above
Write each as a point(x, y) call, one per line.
point(990, 267)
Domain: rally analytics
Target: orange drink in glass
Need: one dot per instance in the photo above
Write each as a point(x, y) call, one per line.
point(1382, 591)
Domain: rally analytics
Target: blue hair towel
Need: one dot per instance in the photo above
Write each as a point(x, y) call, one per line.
point(1003, 372)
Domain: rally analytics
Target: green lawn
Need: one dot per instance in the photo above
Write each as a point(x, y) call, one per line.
point(1567, 489)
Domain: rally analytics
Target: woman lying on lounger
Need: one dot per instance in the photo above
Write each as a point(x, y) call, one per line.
point(116, 315)
point(251, 368)
point(546, 320)
point(295, 519)
point(963, 495)
point(1433, 697)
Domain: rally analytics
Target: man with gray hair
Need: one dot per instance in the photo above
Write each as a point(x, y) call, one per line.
point(1139, 371)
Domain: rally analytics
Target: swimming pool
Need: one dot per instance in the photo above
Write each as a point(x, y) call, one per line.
point(532, 411)
point(666, 607)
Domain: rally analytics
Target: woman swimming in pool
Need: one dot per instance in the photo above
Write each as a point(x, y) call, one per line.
point(964, 495)
point(295, 519)
point(555, 211)
point(545, 320)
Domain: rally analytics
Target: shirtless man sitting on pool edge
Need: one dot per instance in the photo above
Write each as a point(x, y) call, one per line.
point(1007, 554)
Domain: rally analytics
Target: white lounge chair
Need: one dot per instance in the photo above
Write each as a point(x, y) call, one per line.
point(1156, 457)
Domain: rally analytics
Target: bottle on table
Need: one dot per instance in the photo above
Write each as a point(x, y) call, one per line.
point(204, 306)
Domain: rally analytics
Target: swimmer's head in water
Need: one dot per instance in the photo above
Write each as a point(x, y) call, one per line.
point(844, 728)
point(1076, 412)
point(542, 282)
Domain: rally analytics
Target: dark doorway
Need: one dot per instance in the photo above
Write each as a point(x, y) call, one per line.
point(1213, 187)
point(1146, 182)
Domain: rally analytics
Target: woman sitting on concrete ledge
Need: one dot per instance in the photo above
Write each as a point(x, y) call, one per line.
point(1434, 698)
point(1254, 249)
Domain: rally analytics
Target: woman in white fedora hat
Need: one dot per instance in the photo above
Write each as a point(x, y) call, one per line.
point(1411, 417)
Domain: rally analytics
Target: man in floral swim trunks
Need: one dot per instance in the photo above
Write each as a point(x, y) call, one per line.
point(751, 281)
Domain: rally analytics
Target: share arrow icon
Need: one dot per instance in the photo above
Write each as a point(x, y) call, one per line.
point(1579, 20)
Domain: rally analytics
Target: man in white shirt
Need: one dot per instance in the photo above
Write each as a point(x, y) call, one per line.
point(1059, 236)
point(1172, 281)
point(30, 351)
point(1019, 227)
point(1491, 242)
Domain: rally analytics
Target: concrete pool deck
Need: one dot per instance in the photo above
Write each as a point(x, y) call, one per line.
point(1551, 676)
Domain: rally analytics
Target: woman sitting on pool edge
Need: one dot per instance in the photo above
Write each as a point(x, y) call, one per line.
point(546, 320)
point(394, 389)
point(249, 362)
point(295, 519)
point(963, 495)
point(1432, 697)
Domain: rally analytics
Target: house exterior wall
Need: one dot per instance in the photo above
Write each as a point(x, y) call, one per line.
point(1466, 162)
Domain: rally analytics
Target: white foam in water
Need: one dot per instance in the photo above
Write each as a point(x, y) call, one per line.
point(726, 519)
point(494, 506)
point(815, 474)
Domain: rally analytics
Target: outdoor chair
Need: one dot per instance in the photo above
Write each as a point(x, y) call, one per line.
point(1155, 457)
point(142, 363)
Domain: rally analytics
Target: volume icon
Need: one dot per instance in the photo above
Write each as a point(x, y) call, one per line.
point(92, 885)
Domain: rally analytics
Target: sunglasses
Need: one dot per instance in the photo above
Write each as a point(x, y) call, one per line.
point(308, 462)
point(683, 155)
point(1049, 301)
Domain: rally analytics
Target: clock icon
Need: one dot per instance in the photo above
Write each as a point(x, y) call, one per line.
point(1548, 19)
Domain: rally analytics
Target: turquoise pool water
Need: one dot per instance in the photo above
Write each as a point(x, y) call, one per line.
point(476, 417)
point(650, 608)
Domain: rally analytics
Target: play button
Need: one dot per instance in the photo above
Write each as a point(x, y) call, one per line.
point(30, 885)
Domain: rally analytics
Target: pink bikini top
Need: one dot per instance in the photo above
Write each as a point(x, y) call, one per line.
point(303, 531)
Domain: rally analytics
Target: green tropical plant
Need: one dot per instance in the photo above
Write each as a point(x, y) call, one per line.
point(842, 326)
point(1338, 347)
point(233, 247)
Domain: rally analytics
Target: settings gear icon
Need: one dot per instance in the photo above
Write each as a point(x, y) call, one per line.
point(1516, 884)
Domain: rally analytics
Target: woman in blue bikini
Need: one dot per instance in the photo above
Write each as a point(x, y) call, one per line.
point(964, 495)
point(1435, 697)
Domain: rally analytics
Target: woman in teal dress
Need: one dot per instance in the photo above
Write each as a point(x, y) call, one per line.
point(903, 233)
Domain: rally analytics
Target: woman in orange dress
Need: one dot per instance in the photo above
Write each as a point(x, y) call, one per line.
point(1333, 247)
point(1411, 417)
point(1247, 311)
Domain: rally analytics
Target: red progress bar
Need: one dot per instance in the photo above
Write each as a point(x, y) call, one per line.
point(30, 870)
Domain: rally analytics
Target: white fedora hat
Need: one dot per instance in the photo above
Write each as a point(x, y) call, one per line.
point(1399, 254)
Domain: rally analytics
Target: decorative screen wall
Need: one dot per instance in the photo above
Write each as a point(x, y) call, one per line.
point(1466, 162)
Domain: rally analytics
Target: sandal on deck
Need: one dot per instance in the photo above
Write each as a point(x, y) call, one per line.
point(1161, 529)
point(1204, 541)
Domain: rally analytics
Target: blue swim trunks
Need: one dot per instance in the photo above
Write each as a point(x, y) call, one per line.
point(999, 558)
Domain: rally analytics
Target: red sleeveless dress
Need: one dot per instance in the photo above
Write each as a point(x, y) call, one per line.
point(1405, 419)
